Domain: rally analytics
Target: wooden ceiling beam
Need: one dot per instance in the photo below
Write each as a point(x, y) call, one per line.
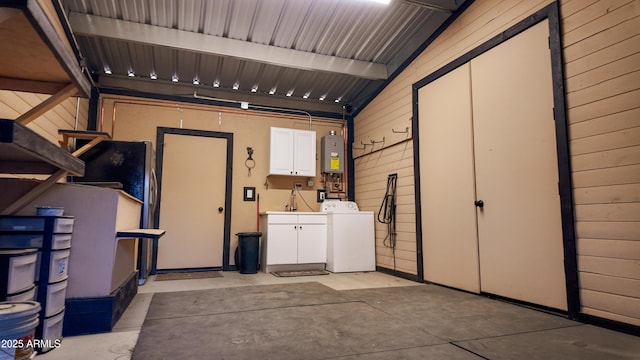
point(31, 86)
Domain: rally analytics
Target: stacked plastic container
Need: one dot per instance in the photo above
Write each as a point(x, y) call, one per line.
point(19, 265)
point(47, 239)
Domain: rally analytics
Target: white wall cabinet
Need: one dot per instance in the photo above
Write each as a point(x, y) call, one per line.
point(292, 152)
point(290, 238)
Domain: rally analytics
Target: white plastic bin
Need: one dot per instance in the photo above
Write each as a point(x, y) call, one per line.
point(61, 241)
point(52, 332)
point(55, 296)
point(63, 225)
point(58, 265)
point(26, 295)
point(18, 268)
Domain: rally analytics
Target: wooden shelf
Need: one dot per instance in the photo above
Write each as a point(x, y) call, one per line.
point(35, 55)
point(23, 151)
point(141, 233)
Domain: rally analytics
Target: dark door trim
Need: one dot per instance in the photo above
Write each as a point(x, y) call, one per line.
point(552, 13)
point(227, 199)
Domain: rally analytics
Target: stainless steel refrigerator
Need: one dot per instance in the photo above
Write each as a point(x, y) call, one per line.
point(131, 166)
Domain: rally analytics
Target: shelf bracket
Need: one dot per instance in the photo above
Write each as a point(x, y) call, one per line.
point(34, 193)
point(53, 101)
point(85, 135)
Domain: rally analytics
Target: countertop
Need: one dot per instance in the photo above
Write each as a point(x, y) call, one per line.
point(292, 213)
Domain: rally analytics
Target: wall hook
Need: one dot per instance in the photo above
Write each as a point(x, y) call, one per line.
point(250, 163)
point(377, 142)
point(365, 145)
point(406, 130)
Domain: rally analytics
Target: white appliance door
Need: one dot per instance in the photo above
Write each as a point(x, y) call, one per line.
point(352, 239)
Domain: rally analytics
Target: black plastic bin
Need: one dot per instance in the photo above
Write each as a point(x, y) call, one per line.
point(248, 252)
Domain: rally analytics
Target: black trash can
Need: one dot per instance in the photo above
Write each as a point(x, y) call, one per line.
point(248, 252)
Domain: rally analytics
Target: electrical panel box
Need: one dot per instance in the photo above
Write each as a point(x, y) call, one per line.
point(332, 154)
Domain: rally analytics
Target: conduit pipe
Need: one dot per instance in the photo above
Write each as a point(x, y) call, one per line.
point(202, 108)
point(258, 107)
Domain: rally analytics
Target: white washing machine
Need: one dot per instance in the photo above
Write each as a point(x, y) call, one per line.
point(351, 244)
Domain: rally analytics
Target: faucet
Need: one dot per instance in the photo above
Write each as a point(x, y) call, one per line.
point(293, 206)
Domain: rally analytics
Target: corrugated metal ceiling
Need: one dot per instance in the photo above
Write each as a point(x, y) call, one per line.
point(313, 55)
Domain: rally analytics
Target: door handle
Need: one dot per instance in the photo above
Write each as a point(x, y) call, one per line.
point(220, 209)
point(479, 203)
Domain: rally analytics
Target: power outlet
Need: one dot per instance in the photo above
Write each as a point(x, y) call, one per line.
point(321, 195)
point(297, 186)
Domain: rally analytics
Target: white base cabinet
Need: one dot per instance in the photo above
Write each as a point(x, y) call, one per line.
point(293, 238)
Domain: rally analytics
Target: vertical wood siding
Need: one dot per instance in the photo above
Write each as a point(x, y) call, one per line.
point(601, 42)
point(602, 68)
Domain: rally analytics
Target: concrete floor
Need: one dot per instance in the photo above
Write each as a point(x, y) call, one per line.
point(404, 320)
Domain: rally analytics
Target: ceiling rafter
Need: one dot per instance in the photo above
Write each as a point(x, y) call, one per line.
point(91, 25)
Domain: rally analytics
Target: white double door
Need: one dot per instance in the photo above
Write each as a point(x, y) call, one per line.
point(487, 133)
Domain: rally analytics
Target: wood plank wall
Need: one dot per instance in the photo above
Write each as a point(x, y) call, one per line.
point(602, 69)
point(601, 42)
point(63, 116)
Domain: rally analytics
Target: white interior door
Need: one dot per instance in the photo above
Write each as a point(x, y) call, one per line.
point(449, 233)
point(520, 230)
point(193, 189)
point(488, 126)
